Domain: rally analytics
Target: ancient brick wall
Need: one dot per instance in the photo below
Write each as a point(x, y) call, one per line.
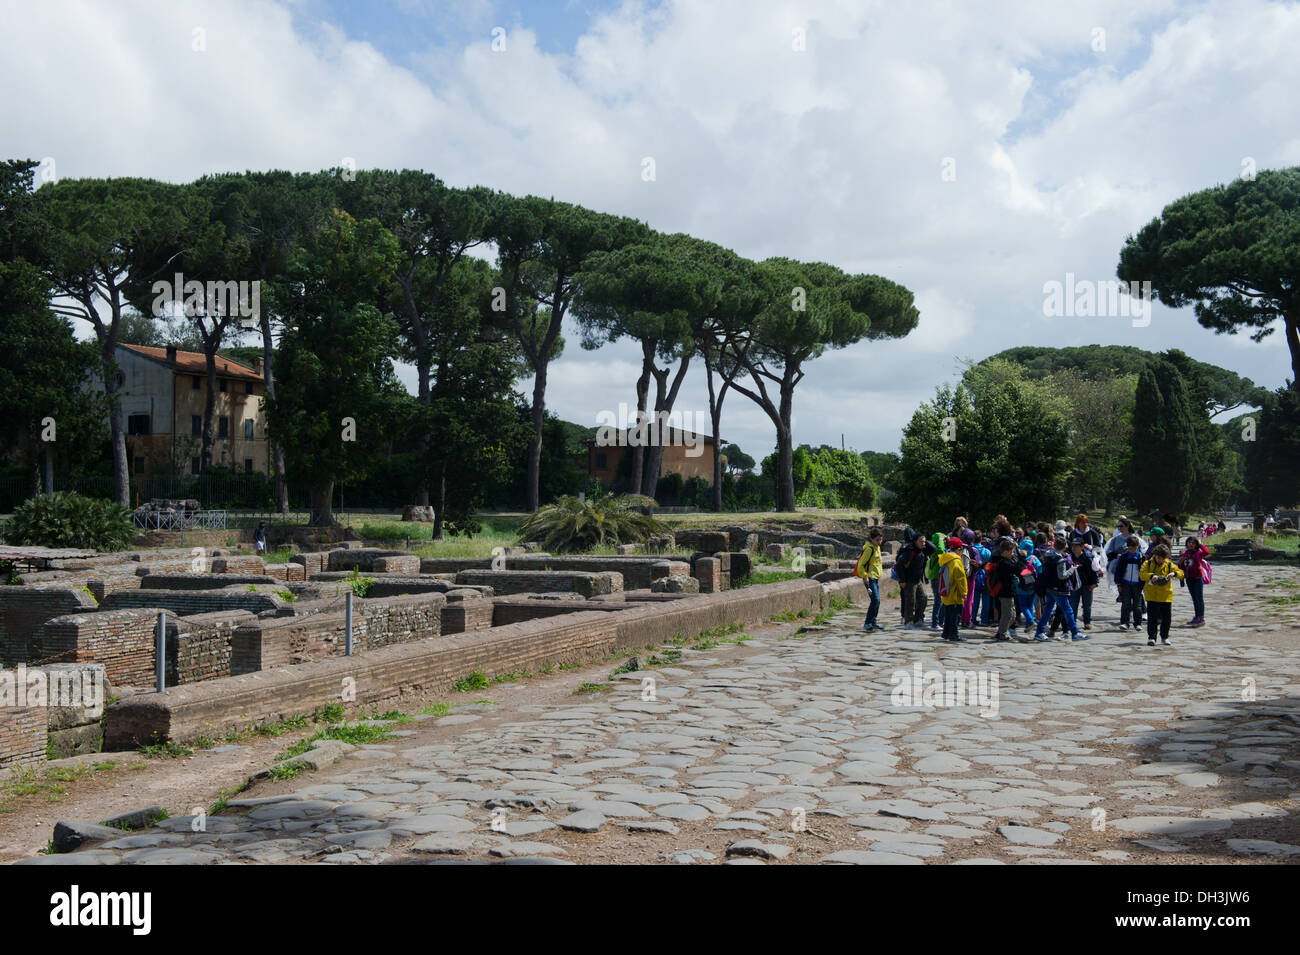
point(24, 609)
point(186, 602)
point(122, 640)
point(24, 731)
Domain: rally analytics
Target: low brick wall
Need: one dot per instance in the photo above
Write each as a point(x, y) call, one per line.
point(102, 585)
point(210, 709)
point(223, 706)
point(288, 573)
point(312, 563)
point(508, 610)
point(25, 608)
point(387, 585)
point(122, 640)
point(24, 732)
point(463, 613)
point(397, 564)
point(201, 581)
point(539, 581)
point(238, 564)
point(187, 602)
point(200, 647)
point(363, 559)
point(264, 644)
point(165, 567)
point(637, 571)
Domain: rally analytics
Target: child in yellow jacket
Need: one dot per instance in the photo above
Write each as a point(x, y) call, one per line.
point(870, 568)
point(952, 588)
point(1158, 573)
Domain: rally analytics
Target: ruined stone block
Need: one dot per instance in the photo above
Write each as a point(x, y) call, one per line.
point(676, 584)
point(708, 571)
point(713, 541)
point(775, 553)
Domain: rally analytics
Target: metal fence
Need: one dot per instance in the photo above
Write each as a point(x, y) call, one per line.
point(174, 519)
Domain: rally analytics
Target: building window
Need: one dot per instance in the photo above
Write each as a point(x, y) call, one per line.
point(195, 383)
point(139, 465)
point(248, 465)
point(248, 429)
point(223, 427)
point(602, 461)
point(194, 465)
point(137, 424)
point(221, 385)
point(196, 425)
point(248, 388)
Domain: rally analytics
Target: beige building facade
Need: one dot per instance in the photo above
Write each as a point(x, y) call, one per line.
point(163, 392)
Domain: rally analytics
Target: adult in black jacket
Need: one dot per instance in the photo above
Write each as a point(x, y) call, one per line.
point(910, 564)
point(1002, 570)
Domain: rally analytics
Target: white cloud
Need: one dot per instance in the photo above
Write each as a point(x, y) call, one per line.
point(831, 153)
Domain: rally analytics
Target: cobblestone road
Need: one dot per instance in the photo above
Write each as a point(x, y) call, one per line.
point(800, 749)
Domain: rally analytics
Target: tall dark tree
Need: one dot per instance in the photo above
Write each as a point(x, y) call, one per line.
point(1165, 455)
point(94, 239)
point(46, 410)
point(435, 226)
point(542, 246)
point(338, 402)
point(817, 306)
point(1231, 251)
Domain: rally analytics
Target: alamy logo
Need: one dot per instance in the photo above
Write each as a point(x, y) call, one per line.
point(74, 908)
point(80, 688)
point(945, 688)
point(641, 429)
point(242, 299)
point(1084, 298)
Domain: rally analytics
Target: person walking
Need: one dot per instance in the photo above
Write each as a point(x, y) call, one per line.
point(1082, 555)
point(1127, 577)
point(952, 588)
point(870, 568)
point(259, 537)
point(1195, 564)
point(1027, 571)
point(1056, 582)
point(1158, 573)
point(1001, 582)
point(937, 541)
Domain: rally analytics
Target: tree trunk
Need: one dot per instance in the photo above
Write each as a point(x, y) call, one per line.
point(442, 504)
point(784, 437)
point(117, 435)
point(322, 504)
point(665, 398)
point(642, 397)
point(715, 417)
point(277, 452)
point(535, 446)
point(423, 398)
point(1291, 328)
point(209, 407)
point(49, 467)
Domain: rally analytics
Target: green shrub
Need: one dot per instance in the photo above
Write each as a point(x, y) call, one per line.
point(360, 585)
point(68, 519)
point(570, 525)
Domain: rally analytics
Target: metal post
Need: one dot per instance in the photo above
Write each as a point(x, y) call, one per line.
point(160, 652)
point(347, 623)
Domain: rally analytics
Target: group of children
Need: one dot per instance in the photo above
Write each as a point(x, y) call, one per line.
point(1038, 575)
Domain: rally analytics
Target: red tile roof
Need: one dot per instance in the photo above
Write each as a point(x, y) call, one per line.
point(193, 363)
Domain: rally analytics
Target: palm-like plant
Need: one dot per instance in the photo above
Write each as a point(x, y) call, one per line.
point(570, 525)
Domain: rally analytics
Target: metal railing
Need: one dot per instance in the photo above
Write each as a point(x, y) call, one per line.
point(170, 519)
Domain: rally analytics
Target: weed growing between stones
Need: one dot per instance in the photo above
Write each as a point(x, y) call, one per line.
point(585, 688)
point(475, 681)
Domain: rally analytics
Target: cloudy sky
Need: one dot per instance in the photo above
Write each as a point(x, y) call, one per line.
point(972, 152)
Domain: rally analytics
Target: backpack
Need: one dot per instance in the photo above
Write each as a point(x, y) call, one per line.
point(943, 581)
point(1207, 572)
point(860, 569)
point(1028, 578)
point(1050, 562)
point(992, 578)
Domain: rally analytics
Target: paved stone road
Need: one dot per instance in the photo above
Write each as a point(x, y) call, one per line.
point(799, 750)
